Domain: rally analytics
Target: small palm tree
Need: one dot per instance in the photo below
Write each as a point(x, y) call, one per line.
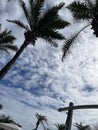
point(87, 10)
point(82, 127)
point(60, 126)
point(40, 120)
point(6, 41)
point(7, 119)
point(40, 25)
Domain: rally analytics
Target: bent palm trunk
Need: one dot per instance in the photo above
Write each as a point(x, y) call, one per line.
point(7, 67)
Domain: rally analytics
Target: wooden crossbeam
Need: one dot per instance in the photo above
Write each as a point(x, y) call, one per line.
point(78, 107)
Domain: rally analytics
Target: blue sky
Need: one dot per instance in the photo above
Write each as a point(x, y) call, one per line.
point(40, 82)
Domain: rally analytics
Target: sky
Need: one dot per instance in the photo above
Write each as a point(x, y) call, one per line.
point(39, 82)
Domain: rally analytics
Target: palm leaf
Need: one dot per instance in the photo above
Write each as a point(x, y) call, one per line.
point(25, 10)
point(58, 24)
point(80, 10)
point(68, 43)
point(7, 39)
point(19, 23)
point(50, 41)
point(9, 46)
point(51, 34)
point(49, 15)
point(35, 11)
point(55, 23)
point(6, 48)
point(4, 33)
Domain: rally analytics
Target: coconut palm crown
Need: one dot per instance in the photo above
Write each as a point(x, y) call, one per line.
point(87, 10)
point(41, 24)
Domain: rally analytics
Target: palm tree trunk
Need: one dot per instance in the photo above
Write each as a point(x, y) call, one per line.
point(8, 66)
point(37, 124)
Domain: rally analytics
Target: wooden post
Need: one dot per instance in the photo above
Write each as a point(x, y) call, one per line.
point(69, 118)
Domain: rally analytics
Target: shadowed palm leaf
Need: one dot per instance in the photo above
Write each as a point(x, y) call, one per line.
point(70, 41)
point(81, 10)
point(40, 25)
point(6, 41)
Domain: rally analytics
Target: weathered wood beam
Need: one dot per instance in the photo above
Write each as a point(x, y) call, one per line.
point(78, 107)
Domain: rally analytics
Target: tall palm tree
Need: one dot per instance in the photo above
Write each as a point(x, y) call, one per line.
point(87, 10)
point(40, 25)
point(40, 120)
point(6, 41)
point(82, 127)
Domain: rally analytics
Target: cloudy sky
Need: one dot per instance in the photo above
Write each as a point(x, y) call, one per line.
point(40, 82)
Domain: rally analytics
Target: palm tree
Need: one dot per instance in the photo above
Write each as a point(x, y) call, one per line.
point(88, 11)
point(60, 126)
point(7, 119)
point(40, 120)
point(40, 25)
point(82, 127)
point(6, 41)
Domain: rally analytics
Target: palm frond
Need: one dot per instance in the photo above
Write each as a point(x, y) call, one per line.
point(50, 41)
point(58, 24)
point(4, 33)
point(35, 11)
point(7, 39)
point(25, 10)
point(80, 10)
point(55, 23)
point(6, 48)
point(19, 23)
point(51, 34)
point(68, 43)
point(50, 15)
